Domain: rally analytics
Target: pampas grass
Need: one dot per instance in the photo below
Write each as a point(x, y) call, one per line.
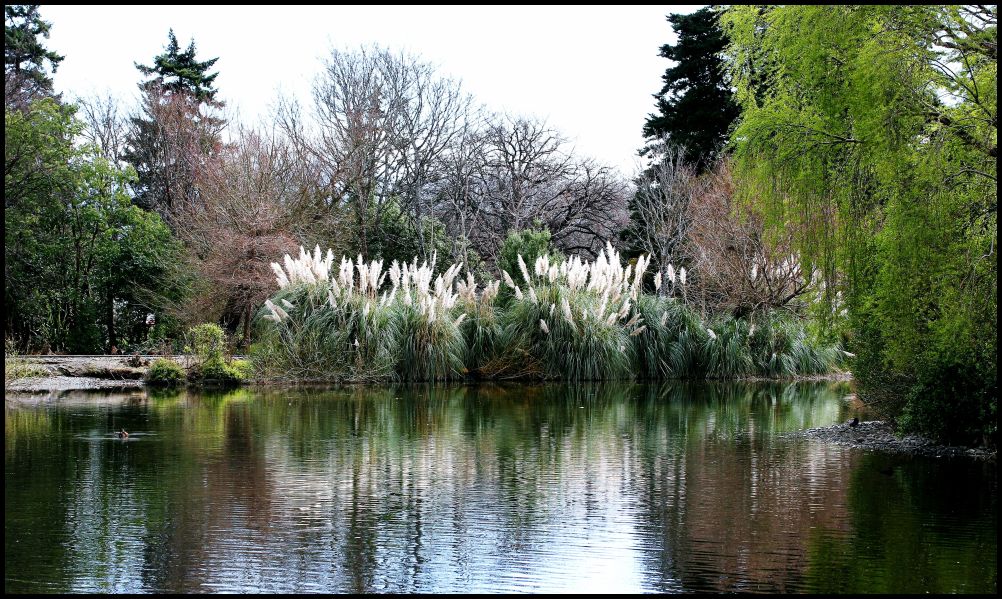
point(573, 319)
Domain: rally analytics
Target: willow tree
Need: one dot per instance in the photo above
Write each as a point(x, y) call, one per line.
point(874, 130)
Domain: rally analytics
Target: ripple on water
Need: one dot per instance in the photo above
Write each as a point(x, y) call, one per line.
point(465, 490)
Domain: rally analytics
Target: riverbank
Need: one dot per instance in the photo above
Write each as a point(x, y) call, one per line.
point(56, 374)
point(878, 435)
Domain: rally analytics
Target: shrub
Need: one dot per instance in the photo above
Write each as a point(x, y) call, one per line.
point(216, 373)
point(243, 368)
point(207, 342)
point(165, 373)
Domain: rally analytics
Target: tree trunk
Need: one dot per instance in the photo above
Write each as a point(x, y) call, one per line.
point(110, 316)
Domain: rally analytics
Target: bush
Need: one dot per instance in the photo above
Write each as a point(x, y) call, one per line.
point(165, 373)
point(953, 402)
point(207, 343)
point(216, 373)
point(243, 368)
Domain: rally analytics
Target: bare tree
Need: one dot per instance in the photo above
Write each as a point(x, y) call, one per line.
point(458, 195)
point(105, 125)
point(737, 268)
point(394, 147)
point(250, 201)
point(590, 209)
point(528, 175)
point(662, 216)
point(380, 127)
point(434, 118)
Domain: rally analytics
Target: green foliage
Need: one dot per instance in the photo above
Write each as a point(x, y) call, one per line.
point(179, 72)
point(216, 373)
point(581, 349)
point(429, 349)
point(672, 346)
point(316, 329)
point(856, 134)
point(208, 344)
point(24, 54)
point(346, 342)
point(695, 106)
point(481, 330)
point(83, 266)
point(165, 373)
point(244, 369)
point(955, 401)
point(528, 243)
point(396, 235)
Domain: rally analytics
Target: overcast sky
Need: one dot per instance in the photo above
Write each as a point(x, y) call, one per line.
point(588, 71)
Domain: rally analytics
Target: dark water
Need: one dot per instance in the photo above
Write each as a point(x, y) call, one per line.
point(548, 488)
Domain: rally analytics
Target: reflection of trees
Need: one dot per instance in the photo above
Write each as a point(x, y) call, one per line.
point(721, 495)
point(907, 539)
point(422, 488)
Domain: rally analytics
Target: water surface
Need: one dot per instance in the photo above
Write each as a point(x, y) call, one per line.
point(569, 488)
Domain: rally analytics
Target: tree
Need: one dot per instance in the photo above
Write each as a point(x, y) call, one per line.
point(695, 106)
point(661, 213)
point(874, 132)
point(105, 125)
point(176, 131)
point(25, 76)
point(82, 265)
point(251, 206)
point(175, 72)
point(737, 264)
point(528, 175)
point(383, 124)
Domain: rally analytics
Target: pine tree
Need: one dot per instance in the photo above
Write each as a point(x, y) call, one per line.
point(178, 72)
point(177, 130)
point(25, 76)
point(695, 105)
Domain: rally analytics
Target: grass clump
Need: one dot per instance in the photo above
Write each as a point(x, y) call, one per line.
point(15, 366)
point(562, 319)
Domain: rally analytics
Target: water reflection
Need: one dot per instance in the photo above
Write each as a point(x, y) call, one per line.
point(491, 488)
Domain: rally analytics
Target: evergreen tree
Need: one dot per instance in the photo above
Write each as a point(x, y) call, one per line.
point(177, 130)
point(695, 106)
point(178, 72)
point(25, 76)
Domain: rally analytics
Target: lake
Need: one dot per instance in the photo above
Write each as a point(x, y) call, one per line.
point(498, 488)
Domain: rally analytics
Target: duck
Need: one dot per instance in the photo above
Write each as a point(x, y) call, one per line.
point(854, 422)
point(122, 434)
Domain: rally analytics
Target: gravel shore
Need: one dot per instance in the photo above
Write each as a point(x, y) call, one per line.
point(877, 435)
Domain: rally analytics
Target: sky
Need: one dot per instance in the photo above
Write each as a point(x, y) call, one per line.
point(588, 71)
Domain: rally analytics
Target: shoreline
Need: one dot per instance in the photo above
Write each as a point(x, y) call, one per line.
point(878, 435)
point(67, 374)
